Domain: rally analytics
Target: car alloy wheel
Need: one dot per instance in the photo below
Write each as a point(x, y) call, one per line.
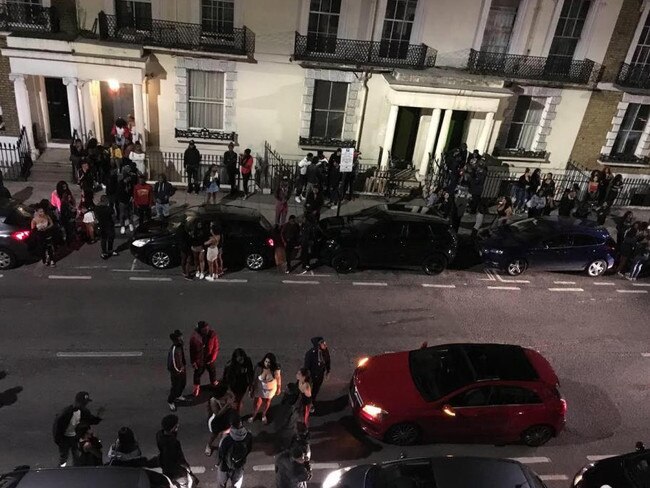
point(403, 434)
point(6, 259)
point(516, 267)
point(160, 259)
point(345, 262)
point(537, 435)
point(254, 261)
point(597, 268)
point(434, 265)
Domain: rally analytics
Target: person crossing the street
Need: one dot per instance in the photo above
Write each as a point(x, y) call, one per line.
point(234, 448)
point(65, 424)
point(317, 362)
point(204, 349)
point(176, 368)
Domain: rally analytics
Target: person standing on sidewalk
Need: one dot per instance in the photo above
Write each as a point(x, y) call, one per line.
point(204, 349)
point(171, 457)
point(292, 468)
point(290, 233)
point(162, 192)
point(65, 424)
point(233, 451)
point(230, 162)
point(282, 194)
point(302, 176)
point(183, 241)
point(192, 162)
point(176, 368)
point(317, 362)
point(246, 167)
point(143, 199)
point(104, 216)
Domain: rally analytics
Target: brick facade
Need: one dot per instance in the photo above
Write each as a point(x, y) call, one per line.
point(622, 37)
point(7, 98)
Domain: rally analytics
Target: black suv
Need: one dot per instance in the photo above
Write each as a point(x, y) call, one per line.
point(389, 236)
point(16, 245)
point(631, 470)
point(247, 237)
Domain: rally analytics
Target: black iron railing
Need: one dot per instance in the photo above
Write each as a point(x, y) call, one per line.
point(176, 35)
point(634, 75)
point(326, 142)
point(552, 68)
point(328, 49)
point(19, 17)
point(624, 159)
point(519, 153)
point(205, 134)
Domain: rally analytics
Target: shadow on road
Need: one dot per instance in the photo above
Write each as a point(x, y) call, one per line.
point(9, 396)
point(341, 440)
point(328, 407)
point(24, 194)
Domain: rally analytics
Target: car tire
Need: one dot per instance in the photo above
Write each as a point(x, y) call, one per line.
point(434, 264)
point(597, 268)
point(537, 435)
point(254, 261)
point(7, 259)
point(345, 262)
point(405, 434)
point(160, 259)
point(516, 266)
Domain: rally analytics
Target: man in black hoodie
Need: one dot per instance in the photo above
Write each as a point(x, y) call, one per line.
point(233, 451)
point(67, 421)
point(171, 457)
point(317, 361)
point(176, 368)
point(192, 161)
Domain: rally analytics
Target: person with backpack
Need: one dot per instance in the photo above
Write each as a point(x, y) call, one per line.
point(233, 451)
point(126, 450)
point(162, 192)
point(66, 422)
point(176, 368)
point(204, 349)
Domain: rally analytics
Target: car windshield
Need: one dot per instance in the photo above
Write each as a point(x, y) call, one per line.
point(437, 371)
point(415, 474)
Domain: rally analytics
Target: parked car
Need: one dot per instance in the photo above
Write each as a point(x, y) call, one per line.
point(493, 393)
point(246, 237)
point(549, 243)
point(388, 236)
point(438, 472)
point(16, 246)
point(83, 477)
point(631, 470)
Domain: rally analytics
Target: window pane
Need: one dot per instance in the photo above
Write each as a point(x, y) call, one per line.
point(513, 136)
point(641, 118)
point(511, 395)
point(335, 124)
point(206, 99)
point(318, 124)
point(523, 102)
point(339, 96)
point(322, 95)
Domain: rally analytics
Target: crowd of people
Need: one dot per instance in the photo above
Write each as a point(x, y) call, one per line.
point(227, 435)
point(633, 244)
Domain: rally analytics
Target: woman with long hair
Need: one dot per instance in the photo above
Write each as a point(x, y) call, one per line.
point(126, 451)
point(64, 203)
point(266, 385)
point(303, 378)
point(43, 228)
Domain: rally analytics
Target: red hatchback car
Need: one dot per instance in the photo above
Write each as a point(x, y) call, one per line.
point(494, 393)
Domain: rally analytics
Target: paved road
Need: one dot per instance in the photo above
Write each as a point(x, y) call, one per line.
point(594, 332)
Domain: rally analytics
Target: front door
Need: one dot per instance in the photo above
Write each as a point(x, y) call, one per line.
point(457, 129)
point(115, 103)
point(406, 132)
point(57, 109)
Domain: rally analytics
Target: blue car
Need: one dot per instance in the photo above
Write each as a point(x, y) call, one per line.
point(549, 243)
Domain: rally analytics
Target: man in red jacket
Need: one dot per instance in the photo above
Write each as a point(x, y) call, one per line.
point(204, 348)
point(143, 199)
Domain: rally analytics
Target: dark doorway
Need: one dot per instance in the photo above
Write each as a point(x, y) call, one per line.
point(115, 103)
point(457, 130)
point(406, 132)
point(57, 109)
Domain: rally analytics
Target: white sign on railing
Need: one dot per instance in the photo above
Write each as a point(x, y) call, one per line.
point(347, 160)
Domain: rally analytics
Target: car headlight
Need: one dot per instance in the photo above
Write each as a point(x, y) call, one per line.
point(334, 478)
point(373, 411)
point(141, 242)
point(577, 479)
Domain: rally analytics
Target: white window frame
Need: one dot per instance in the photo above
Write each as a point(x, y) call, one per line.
point(643, 148)
point(627, 132)
point(533, 125)
point(222, 102)
point(645, 10)
point(380, 26)
point(586, 34)
point(234, 16)
point(329, 110)
point(320, 12)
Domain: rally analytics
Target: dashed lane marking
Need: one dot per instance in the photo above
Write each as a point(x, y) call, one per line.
point(599, 457)
point(564, 282)
point(566, 289)
point(632, 291)
point(435, 285)
point(132, 270)
point(503, 288)
point(645, 354)
point(99, 354)
point(91, 267)
point(194, 469)
point(70, 277)
point(504, 280)
point(531, 459)
point(300, 282)
point(369, 283)
point(271, 467)
point(640, 284)
point(604, 283)
point(230, 280)
point(553, 477)
point(135, 261)
point(147, 278)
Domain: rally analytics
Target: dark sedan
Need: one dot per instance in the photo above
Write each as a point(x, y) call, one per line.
point(83, 477)
point(438, 472)
point(16, 246)
point(549, 243)
point(631, 470)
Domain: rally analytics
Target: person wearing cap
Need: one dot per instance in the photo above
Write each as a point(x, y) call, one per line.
point(65, 424)
point(191, 162)
point(282, 194)
point(230, 162)
point(171, 457)
point(317, 362)
point(176, 368)
point(204, 349)
point(234, 448)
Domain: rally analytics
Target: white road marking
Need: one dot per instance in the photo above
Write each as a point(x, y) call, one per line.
point(503, 288)
point(435, 285)
point(565, 289)
point(91, 267)
point(640, 284)
point(564, 282)
point(194, 469)
point(135, 261)
point(490, 276)
point(645, 354)
point(599, 457)
point(2, 276)
point(132, 270)
point(230, 280)
point(69, 277)
point(369, 283)
point(147, 278)
point(531, 459)
point(311, 273)
point(504, 280)
point(553, 477)
point(300, 282)
point(632, 291)
point(100, 354)
point(604, 283)
point(271, 467)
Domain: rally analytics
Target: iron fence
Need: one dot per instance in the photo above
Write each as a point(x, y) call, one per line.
point(27, 17)
point(552, 68)
point(16, 159)
point(332, 49)
point(634, 75)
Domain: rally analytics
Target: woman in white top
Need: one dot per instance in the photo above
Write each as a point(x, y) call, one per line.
point(213, 251)
point(266, 385)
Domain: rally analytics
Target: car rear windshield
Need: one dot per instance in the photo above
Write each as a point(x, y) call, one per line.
point(437, 371)
point(19, 217)
point(417, 474)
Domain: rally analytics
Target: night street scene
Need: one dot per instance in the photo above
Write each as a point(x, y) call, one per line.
point(324, 243)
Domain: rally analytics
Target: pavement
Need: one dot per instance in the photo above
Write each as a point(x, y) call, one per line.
point(103, 326)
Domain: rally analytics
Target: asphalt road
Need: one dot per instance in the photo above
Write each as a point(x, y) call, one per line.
point(594, 332)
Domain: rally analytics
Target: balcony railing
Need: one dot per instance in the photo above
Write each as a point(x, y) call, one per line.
point(176, 35)
point(624, 159)
point(552, 68)
point(390, 54)
point(22, 17)
point(205, 134)
point(325, 142)
point(519, 153)
point(634, 75)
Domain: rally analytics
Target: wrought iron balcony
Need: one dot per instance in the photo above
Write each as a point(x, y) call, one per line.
point(205, 134)
point(24, 17)
point(634, 76)
point(519, 153)
point(389, 54)
point(325, 142)
point(176, 35)
point(552, 68)
point(624, 159)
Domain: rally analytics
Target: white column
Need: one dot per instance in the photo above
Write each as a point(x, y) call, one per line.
point(444, 133)
point(486, 133)
point(390, 133)
point(429, 141)
point(87, 119)
point(22, 107)
point(73, 104)
point(138, 107)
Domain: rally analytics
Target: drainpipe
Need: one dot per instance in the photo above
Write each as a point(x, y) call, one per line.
point(366, 75)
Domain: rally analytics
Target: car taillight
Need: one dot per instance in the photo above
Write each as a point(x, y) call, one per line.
point(563, 407)
point(270, 242)
point(20, 235)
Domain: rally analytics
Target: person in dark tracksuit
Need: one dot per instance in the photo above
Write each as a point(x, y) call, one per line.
point(171, 457)
point(176, 368)
point(317, 362)
point(230, 160)
point(65, 424)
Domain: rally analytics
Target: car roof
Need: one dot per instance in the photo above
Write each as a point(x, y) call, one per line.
point(412, 212)
point(228, 212)
point(569, 223)
point(81, 477)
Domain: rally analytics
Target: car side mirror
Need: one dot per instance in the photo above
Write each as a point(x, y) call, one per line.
point(448, 410)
